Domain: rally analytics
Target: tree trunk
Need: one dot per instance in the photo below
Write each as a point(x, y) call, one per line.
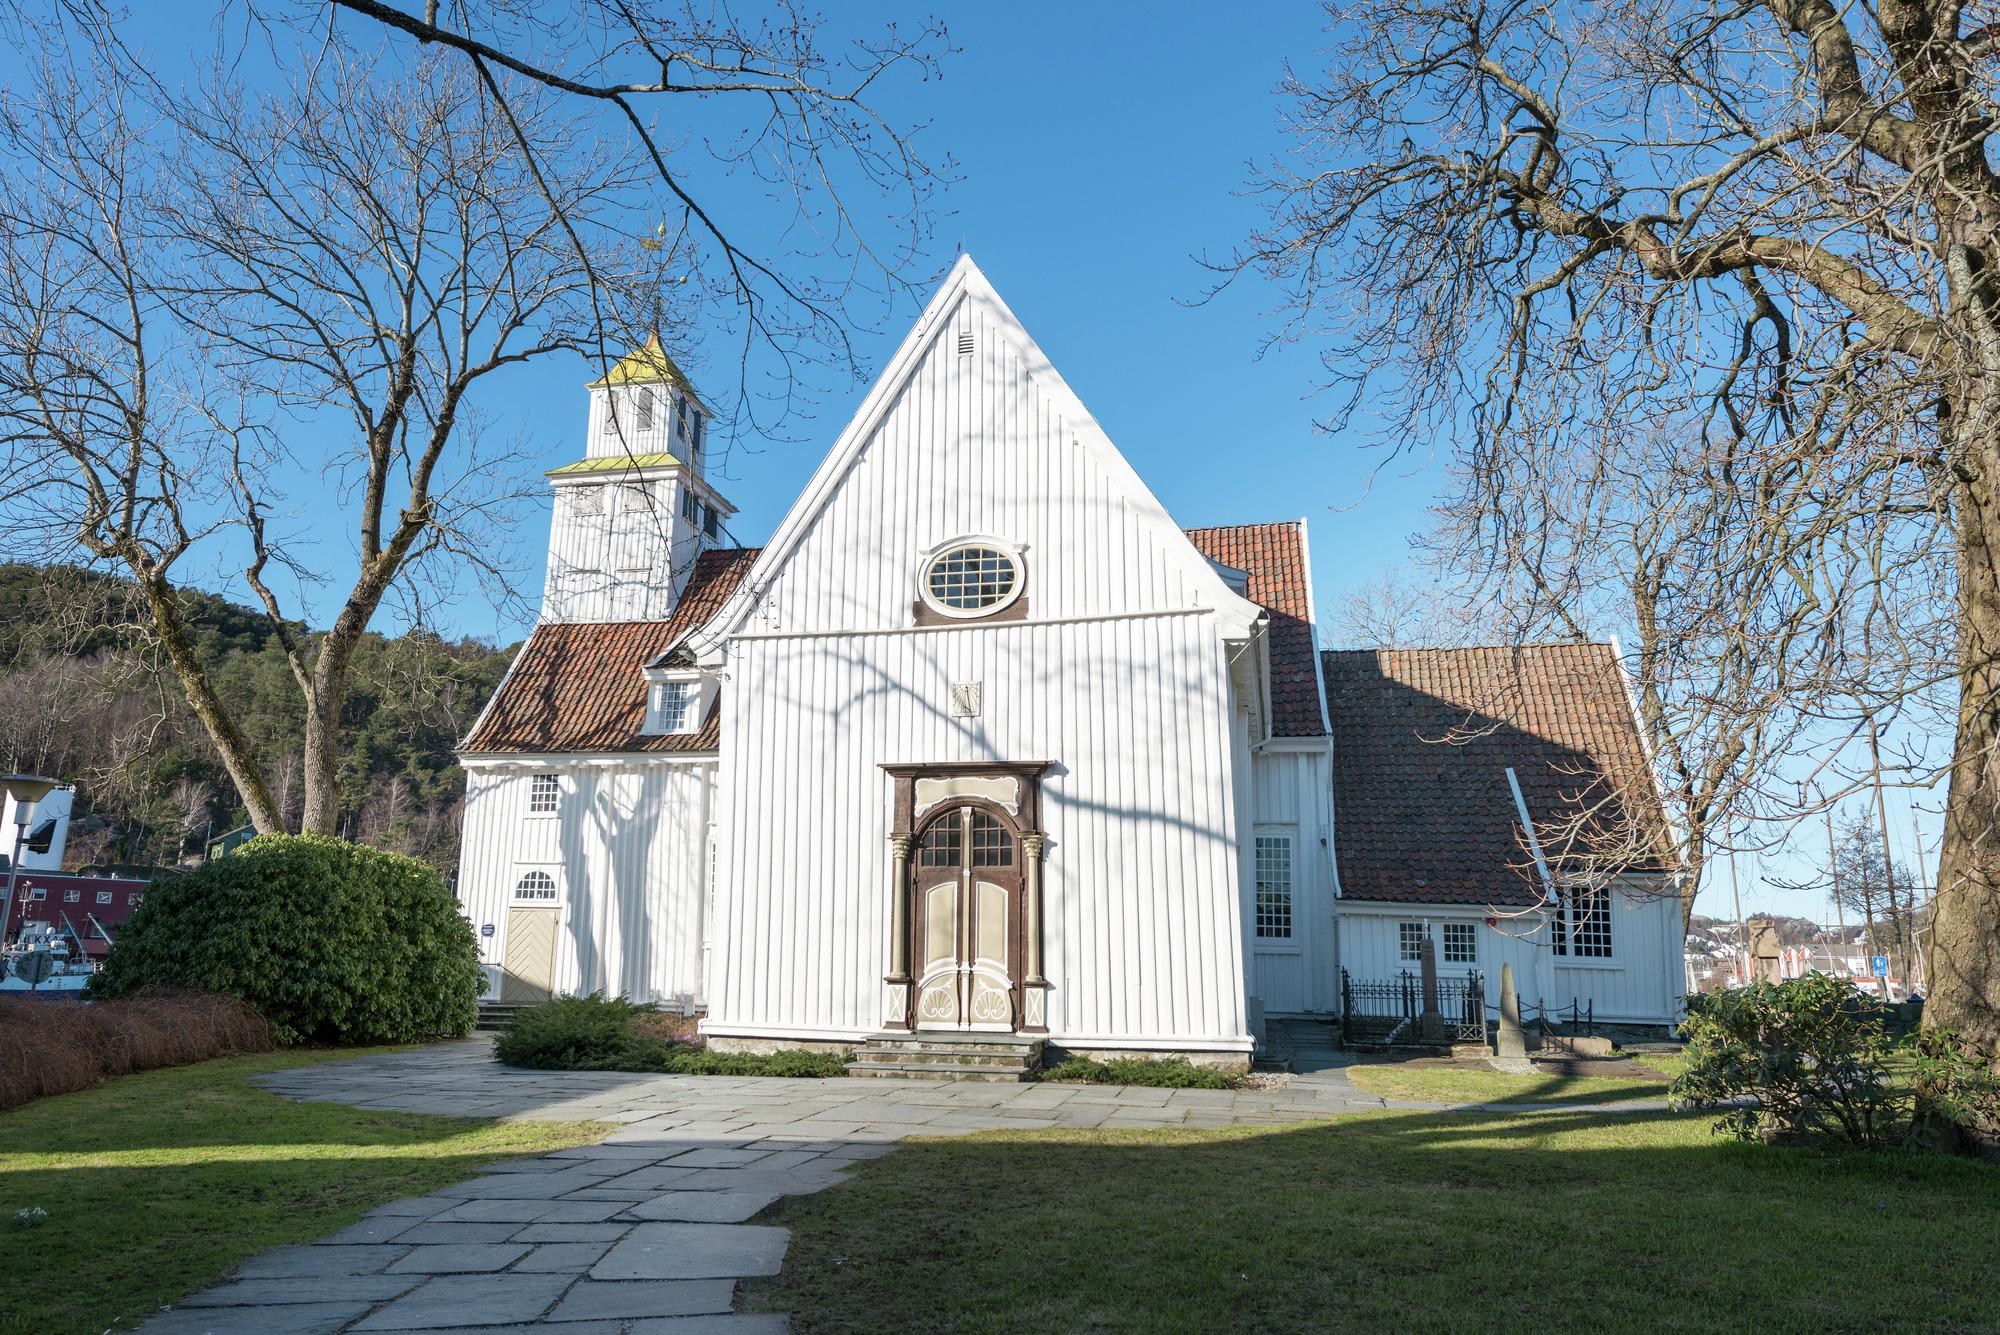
point(1965, 945)
point(243, 769)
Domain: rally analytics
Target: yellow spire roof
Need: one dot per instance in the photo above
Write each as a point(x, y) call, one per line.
point(646, 365)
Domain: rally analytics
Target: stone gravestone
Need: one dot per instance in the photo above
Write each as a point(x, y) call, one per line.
point(1430, 1025)
point(1765, 951)
point(1512, 1044)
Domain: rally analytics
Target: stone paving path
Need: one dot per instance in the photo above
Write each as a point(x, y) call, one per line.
point(646, 1233)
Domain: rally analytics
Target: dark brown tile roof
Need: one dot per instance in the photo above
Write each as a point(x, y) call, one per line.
point(1422, 739)
point(579, 688)
point(1274, 556)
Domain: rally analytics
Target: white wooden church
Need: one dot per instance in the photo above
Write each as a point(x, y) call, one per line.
point(983, 741)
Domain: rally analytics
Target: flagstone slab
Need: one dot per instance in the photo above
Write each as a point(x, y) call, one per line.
point(694, 1251)
point(469, 1300)
point(590, 1298)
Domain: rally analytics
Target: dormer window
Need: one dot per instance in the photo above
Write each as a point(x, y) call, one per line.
point(677, 700)
point(673, 705)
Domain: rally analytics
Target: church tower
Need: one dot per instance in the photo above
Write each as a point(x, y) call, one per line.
point(632, 515)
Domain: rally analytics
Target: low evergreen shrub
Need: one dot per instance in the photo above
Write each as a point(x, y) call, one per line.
point(599, 1033)
point(330, 941)
point(1161, 1073)
point(1811, 1060)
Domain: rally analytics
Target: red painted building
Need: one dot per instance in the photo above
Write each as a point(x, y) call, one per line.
point(96, 906)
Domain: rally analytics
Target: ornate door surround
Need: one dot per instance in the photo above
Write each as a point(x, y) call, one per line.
point(965, 887)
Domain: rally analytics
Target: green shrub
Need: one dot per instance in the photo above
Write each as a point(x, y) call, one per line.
point(572, 1034)
point(598, 1033)
point(329, 941)
point(1805, 1059)
point(1164, 1073)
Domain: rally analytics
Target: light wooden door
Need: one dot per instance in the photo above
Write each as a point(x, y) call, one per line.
point(528, 973)
point(965, 889)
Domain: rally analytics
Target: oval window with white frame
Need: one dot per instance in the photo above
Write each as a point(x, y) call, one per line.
point(975, 578)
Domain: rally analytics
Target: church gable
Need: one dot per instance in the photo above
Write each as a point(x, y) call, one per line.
point(972, 440)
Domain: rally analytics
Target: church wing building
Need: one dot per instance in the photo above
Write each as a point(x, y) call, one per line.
point(981, 742)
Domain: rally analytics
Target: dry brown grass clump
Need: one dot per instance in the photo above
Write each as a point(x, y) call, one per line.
point(58, 1047)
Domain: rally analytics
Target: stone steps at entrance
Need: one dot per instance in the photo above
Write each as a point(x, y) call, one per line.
point(948, 1056)
point(495, 1015)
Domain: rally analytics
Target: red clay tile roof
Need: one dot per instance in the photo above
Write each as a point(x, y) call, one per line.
point(1422, 739)
point(578, 688)
point(1274, 556)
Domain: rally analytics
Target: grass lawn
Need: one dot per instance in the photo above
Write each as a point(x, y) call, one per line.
point(1439, 1084)
point(157, 1183)
point(1394, 1221)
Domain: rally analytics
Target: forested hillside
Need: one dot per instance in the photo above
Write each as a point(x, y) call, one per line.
point(84, 698)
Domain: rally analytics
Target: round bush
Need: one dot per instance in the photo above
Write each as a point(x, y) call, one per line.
point(331, 941)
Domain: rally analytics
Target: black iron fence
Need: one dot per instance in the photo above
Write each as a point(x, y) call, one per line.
point(1393, 1012)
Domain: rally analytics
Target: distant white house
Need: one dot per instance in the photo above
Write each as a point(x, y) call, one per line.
point(981, 740)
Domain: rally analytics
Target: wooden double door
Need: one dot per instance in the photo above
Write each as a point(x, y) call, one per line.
point(965, 912)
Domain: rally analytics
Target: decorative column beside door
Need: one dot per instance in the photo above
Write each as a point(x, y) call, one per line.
point(1034, 987)
point(896, 995)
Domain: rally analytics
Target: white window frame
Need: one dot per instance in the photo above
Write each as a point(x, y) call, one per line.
point(1289, 837)
point(1470, 930)
point(72, 896)
point(633, 542)
point(522, 871)
point(704, 699)
point(1405, 952)
point(687, 695)
point(36, 894)
point(535, 790)
point(1563, 943)
point(1010, 550)
point(644, 406)
point(104, 896)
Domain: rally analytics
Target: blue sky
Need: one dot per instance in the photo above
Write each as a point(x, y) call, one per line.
point(1100, 149)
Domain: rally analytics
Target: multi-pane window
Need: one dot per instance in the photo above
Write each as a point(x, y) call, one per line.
point(941, 844)
point(971, 579)
point(1274, 886)
point(675, 704)
point(945, 843)
point(585, 502)
point(992, 846)
point(535, 887)
point(544, 794)
point(1583, 927)
point(104, 896)
point(1461, 943)
point(72, 896)
point(1410, 940)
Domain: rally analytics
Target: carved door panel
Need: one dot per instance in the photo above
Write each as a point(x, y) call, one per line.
point(966, 895)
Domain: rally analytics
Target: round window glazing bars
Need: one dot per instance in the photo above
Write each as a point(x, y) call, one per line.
point(972, 579)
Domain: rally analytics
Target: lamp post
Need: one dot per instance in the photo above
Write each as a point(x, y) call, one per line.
point(26, 790)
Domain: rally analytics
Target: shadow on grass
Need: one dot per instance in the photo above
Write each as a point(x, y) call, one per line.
point(1393, 1222)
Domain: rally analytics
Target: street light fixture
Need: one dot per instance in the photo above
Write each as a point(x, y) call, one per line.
point(26, 790)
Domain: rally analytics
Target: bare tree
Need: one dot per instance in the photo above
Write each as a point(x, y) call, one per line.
point(1704, 295)
point(798, 116)
point(1411, 607)
point(200, 292)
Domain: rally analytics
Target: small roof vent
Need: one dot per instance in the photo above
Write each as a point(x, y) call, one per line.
point(965, 344)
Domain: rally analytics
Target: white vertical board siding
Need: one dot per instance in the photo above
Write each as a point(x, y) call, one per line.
point(628, 561)
point(628, 848)
point(973, 446)
point(1290, 797)
point(1641, 984)
point(1142, 932)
